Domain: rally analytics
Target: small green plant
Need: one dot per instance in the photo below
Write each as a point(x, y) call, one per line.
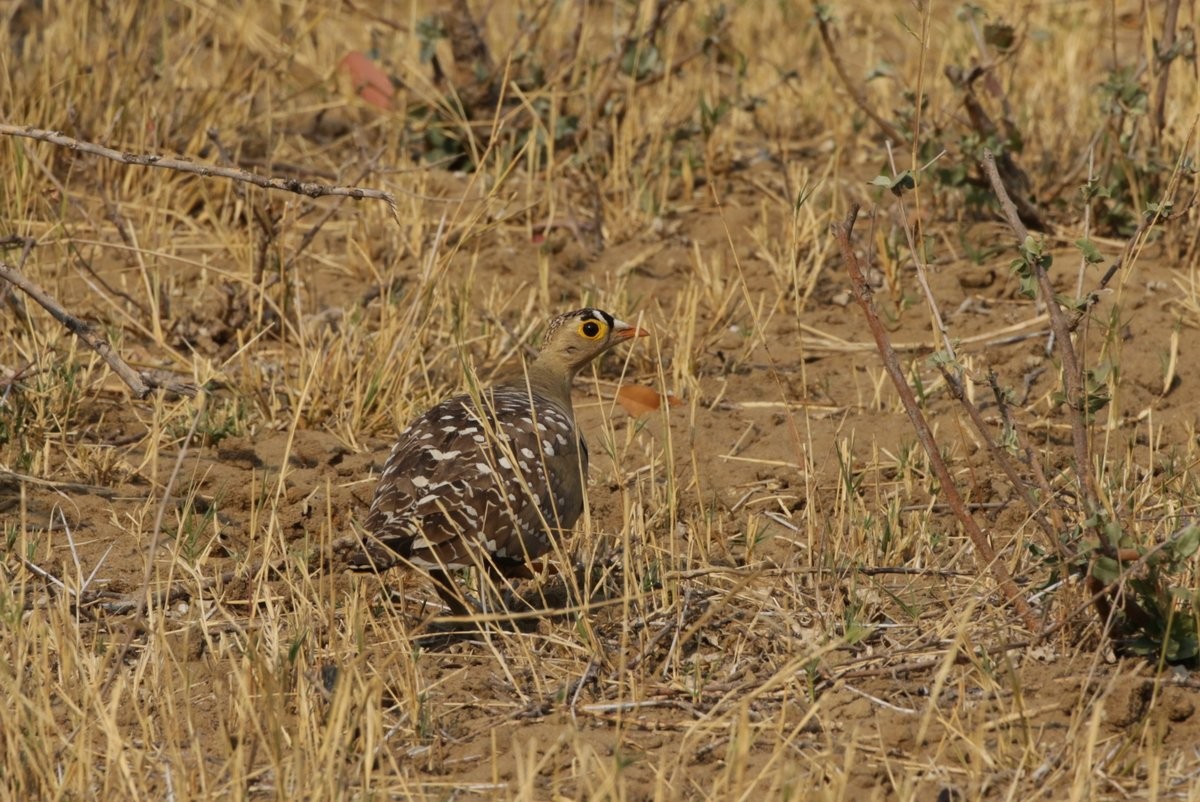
point(194, 528)
point(1160, 617)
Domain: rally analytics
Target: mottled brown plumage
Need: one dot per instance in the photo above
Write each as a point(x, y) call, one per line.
point(490, 483)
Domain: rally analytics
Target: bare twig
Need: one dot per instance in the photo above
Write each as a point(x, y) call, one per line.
point(987, 67)
point(631, 41)
point(310, 189)
point(1165, 56)
point(140, 383)
point(856, 94)
point(985, 555)
point(65, 487)
point(922, 274)
point(9, 295)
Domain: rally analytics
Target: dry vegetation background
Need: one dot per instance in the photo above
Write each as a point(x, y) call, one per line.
point(786, 607)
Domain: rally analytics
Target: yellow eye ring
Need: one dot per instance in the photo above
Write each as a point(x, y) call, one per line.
point(591, 329)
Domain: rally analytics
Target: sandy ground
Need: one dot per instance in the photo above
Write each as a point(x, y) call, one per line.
point(765, 427)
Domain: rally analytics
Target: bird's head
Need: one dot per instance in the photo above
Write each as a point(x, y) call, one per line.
point(576, 338)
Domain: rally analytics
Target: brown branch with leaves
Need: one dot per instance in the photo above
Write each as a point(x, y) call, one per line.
point(1072, 376)
point(984, 553)
point(1107, 539)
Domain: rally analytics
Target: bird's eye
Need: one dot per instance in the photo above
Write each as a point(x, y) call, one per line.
point(591, 329)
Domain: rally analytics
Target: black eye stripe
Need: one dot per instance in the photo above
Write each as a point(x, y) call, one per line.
point(596, 314)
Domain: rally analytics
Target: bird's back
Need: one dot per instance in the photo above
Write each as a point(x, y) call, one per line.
point(466, 484)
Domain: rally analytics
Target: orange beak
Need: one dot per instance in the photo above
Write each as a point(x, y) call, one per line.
point(627, 331)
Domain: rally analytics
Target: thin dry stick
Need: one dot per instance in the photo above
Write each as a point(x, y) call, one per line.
point(919, 264)
point(1087, 224)
point(856, 94)
point(140, 383)
point(1062, 340)
point(310, 189)
point(985, 555)
point(1165, 57)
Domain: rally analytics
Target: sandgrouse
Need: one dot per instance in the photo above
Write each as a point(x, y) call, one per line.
point(490, 482)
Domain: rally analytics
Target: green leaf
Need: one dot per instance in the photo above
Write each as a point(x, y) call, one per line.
point(1183, 595)
point(1159, 209)
point(1106, 569)
point(999, 35)
point(1071, 302)
point(640, 60)
point(880, 70)
point(1091, 254)
point(898, 185)
point(429, 31)
point(1113, 534)
point(941, 358)
point(1186, 542)
point(969, 11)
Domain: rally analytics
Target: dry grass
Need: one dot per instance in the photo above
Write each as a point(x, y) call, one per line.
point(783, 608)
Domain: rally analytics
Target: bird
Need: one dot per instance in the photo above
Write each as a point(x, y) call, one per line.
point(492, 480)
